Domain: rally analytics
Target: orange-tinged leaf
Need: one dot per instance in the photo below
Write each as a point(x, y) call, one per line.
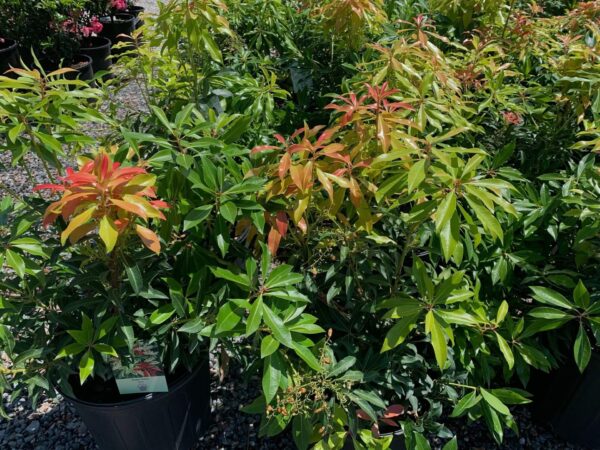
point(284, 164)
point(77, 221)
point(108, 233)
point(149, 238)
point(150, 210)
point(355, 192)
point(383, 132)
point(145, 180)
point(273, 240)
point(81, 231)
point(130, 207)
point(297, 174)
point(326, 183)
point(61, 71)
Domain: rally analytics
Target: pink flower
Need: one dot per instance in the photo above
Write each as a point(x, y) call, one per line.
point(119, 5)
point(512, 118)
point(86, 31)
point(95, 25)
point(69, 26)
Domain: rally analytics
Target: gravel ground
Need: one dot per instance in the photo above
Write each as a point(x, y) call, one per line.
point(54, 425)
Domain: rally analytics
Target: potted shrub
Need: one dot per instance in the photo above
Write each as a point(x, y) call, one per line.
point(85, 29)
point(86, 313)
point(46, 32)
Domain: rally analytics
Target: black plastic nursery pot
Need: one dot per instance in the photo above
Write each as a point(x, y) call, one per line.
point(160, 421)
point(9, 54)
point(117, 28)
point(136, 11)
point(83, 69)
point(97, 48)
point(570, 402)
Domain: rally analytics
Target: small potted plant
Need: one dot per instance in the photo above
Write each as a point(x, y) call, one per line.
point(86, 313)
point(85, 29)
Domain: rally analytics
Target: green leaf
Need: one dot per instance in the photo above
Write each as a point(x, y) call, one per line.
point(196, 216)
point(105, 349)
point(108, 233)
point(582, 349)
point(211, 46)
point(29, 245)
point(502, 311)
point(301, 431)
point(16, 262)
point(106, 326)
point(550, 297)
point(371, 397)
point(416, 175)
point(421, 442)
point(438, 339)
point(15, 131)
point(450, 237)
point(193, 326)
point(511, 396)
point(546, 312)
point(581, 295)
point(229, 211)
point(272, 371)
point(445, 211)
point(277, 327)
point(134, 276)
point(399, 332)
point(176, 295)
point(50, 141)
point(283, 276)
point(506, 351)
point(268, 346)
point(307, 356)
point(71, 350)
point(255, 316)
point(452, 444)
point(240, 280)
point(493, 422)
point(341, 366)
point(465, 404)
point(489, 222)
point(86, 366)
point(227, 317)
point(424, 283)
point(162, 314)
point(401, 306)
point(494, 402)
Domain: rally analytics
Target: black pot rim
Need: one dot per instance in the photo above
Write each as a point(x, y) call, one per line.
point(107, 43)
point(123, 17)
point(151, 397)
point(136, 8)
point(85, 59)
point(12, 44)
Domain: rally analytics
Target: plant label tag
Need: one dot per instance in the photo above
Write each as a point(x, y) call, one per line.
point(141, 374)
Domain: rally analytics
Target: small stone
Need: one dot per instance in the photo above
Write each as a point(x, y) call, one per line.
point(33, 427)
point(82, 429)
point(522, 441)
